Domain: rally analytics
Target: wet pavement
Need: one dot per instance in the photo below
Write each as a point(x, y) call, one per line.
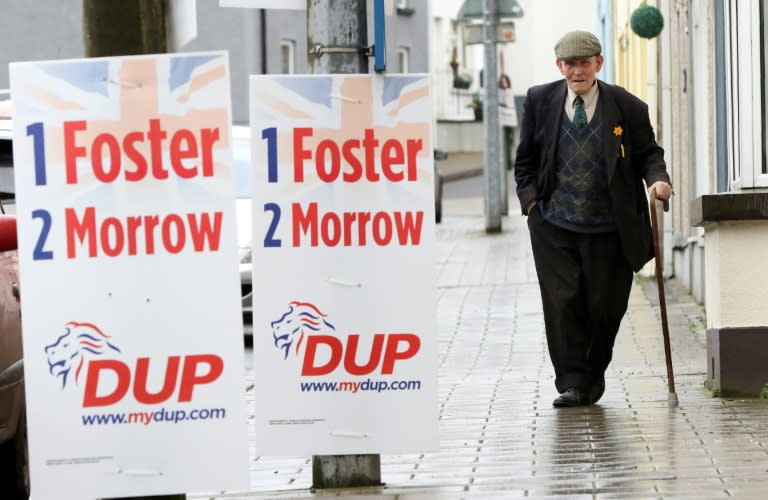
point(501, 438)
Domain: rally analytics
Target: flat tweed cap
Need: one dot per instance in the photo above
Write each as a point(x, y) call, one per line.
point(577, 44)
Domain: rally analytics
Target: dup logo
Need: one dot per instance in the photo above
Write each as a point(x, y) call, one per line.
point(70, 350)
point(305, 331)
point(300, 319)
point(84, 347)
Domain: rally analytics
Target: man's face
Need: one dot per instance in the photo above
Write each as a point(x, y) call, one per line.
point(580, 73)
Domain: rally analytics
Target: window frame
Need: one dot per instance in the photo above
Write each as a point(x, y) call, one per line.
point(746, 121)
point(761, 170)
point(291, 45)
point(403, 55)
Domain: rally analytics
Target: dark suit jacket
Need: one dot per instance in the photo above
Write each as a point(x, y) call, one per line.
point(626, 123)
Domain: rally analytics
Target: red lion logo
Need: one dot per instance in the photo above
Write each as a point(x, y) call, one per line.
point(290, 328)
point(69, 350)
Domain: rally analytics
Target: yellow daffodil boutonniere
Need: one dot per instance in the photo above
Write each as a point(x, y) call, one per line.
point(617, 131)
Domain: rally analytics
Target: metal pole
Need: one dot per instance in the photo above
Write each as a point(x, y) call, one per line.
point(263, 41)
point(337, 34)
point(493, 185)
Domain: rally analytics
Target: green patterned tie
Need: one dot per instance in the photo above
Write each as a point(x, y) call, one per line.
point(579, 116)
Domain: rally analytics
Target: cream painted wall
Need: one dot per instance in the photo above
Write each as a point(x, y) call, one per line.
point(733, 298)
point(703, 85)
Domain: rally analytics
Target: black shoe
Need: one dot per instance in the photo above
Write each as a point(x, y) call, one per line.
point(573, 396)
point(596, 392)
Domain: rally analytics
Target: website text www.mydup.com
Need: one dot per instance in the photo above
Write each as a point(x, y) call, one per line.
point(367, 385)
point(161, 415)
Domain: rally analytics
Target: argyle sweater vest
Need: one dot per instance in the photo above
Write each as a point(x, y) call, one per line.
point(581, 201)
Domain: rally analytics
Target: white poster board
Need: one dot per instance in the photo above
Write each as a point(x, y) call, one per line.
point(133, 350)
point(291, 5)
point(344, 325)
point(265, 4)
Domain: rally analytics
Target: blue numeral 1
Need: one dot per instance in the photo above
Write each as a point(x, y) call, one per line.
point(270, 134)
point(38, 139)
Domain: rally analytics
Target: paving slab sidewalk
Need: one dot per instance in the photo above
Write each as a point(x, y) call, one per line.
point(500, 437)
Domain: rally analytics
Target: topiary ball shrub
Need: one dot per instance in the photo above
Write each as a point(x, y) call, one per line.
point(646, 21)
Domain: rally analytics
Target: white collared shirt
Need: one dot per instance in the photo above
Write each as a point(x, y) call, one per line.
point(590, 102)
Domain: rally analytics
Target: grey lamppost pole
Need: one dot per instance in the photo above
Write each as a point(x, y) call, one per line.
point(337, 38)
point(493, 170)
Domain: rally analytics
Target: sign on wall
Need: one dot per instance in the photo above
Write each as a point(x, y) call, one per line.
point(344, 328)
point(474, 33)
point(133, 353)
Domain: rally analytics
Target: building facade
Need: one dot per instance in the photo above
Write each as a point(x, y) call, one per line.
point(529, 59)
point(259, 41)
point(710, 64)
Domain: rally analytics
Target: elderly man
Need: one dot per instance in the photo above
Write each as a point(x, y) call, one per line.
point(587, 152)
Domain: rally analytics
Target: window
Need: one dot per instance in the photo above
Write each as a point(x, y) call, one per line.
point(764, 81)
point(287, 50)
point(402, 60)
point(746, 65)
point(403, 9)
point(732, 84)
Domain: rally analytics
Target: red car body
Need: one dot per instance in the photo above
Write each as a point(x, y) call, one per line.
point(14, 469)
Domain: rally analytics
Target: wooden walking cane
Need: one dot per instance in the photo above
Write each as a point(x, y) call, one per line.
point(672, 397)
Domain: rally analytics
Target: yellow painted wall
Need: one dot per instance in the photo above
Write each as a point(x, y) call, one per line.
point(635, 57)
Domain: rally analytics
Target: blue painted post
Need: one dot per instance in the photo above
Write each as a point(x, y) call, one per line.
point(379, 37)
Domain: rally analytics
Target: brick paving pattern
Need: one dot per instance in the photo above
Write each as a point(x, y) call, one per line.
point(501, 438)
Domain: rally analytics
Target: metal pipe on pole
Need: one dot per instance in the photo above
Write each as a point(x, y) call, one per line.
point(337, 36)
point(493, 171)
point(337, 39)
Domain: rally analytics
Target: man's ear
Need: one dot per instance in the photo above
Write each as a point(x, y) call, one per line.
point(559, 65)
point(599, 60)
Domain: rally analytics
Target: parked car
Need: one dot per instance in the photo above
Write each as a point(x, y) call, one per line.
point(14, 468)
point(438, 155)
point(241, 152)
point(14, 465)
point(244, 218)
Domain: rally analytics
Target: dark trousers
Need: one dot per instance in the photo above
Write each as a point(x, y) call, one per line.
point(585, 282)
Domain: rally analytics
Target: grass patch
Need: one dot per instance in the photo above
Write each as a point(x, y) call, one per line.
point(764, 392)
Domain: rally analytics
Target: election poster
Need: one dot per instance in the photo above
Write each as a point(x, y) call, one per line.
point(344, 272)
point(132, 332)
